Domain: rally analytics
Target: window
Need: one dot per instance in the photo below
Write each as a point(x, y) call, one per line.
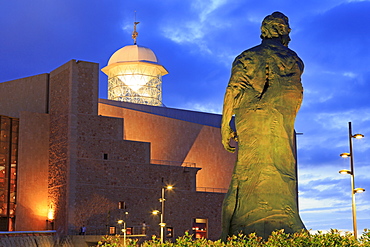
point(200, 228)
point(169, 232)
point(105, 156)
point(112, 230)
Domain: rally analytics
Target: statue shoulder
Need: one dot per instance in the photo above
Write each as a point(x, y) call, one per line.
point(250, 55)
point(297, 59)
point(290, 57)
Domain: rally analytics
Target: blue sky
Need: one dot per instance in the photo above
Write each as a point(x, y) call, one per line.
point(196, 41)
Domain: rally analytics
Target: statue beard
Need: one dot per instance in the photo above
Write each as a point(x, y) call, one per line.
point(285, 39)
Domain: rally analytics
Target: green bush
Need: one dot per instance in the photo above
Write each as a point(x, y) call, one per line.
point(278, 238)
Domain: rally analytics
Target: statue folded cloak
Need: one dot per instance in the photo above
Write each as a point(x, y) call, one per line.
point(264, 93)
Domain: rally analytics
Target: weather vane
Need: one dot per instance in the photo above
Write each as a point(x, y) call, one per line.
point(134, 33)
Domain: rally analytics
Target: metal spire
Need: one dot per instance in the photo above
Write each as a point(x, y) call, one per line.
point(134, 33)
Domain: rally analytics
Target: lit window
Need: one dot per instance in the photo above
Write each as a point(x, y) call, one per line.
point(200, 228)
point(112, 230)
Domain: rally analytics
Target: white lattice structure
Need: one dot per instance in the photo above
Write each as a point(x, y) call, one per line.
point(134, 75)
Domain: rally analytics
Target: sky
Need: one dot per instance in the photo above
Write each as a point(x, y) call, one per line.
point(197, 41)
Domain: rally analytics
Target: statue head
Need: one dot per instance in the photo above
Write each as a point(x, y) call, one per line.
point(276, 25)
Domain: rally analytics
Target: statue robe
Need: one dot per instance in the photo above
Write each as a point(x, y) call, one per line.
point(262, 196)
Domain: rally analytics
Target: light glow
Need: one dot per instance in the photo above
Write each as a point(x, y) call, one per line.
point(136, 82)
point(156, 212)
point(345, 155)
point(359, 190)
point(345, 172)
point(51, 214)
point(358, 136)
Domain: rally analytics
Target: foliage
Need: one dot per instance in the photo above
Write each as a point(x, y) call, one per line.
point(334, 238)
point(116, 241)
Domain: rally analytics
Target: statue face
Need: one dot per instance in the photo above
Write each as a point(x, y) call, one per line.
point(285, 39)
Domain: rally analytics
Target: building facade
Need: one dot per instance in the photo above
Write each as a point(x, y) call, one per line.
point(76, 159)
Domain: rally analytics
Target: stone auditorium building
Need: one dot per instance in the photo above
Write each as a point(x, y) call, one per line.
point(69, 159)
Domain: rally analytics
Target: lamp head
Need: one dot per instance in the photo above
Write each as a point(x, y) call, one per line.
point(156, 212)
point(345, 155)
point(345, 172)
point(358, 136)
point(359, 190)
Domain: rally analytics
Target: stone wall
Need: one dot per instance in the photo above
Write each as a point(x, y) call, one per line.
point(101, 185)
point(59, 150)
point(30, 240)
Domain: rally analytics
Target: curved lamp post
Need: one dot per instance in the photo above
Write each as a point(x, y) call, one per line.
point(352, 173)
point(156, 212)
point(120, 222)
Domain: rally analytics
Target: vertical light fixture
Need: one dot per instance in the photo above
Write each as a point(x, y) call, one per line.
point(120, 222)
point(352, 173)
point(162, 224)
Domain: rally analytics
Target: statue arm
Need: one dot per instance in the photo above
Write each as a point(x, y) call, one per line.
point(228, 111)
point(239, 82)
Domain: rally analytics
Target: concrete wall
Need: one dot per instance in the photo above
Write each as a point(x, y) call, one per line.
point(179, 141)
point(97, 161)
point(27, 99)
point(32, 181)
point(26, 94)
point(86, 187)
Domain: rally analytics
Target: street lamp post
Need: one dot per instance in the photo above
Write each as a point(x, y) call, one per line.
point(352, 173)
point(162, 224)
point(123, 230)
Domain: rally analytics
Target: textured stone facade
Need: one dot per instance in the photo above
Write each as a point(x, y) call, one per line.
point(88, 163)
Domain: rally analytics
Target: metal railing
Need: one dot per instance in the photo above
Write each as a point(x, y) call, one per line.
point(173, 163)
point(213, 190)
point(47, 232)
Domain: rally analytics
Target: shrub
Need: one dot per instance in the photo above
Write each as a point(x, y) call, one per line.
point(334, 238)
point(116, 241)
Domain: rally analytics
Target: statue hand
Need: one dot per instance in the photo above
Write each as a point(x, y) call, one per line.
point(227, 135)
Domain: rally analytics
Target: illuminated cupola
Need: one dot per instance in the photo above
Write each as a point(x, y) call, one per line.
point(134, 75)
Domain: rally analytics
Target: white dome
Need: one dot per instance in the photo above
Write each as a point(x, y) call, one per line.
point(133, 53)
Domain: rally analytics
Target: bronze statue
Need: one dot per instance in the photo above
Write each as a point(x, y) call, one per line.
point(265, 94)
